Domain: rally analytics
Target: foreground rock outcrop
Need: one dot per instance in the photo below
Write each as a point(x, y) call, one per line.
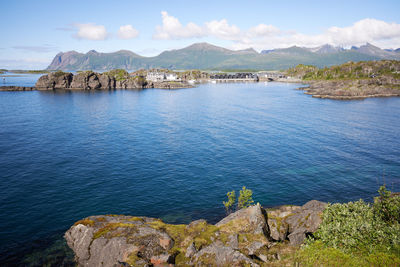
point(248, 237)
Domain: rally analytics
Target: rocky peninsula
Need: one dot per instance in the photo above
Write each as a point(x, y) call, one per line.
point(252, 236)
point(352, 80)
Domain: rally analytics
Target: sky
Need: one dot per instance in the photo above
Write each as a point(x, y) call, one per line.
point(33, 32)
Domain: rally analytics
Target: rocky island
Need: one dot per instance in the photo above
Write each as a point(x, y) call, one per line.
point(90, 80)
point(352, 80)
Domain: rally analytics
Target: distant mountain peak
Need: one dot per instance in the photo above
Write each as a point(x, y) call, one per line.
point(205, 46)
point(92, 52)
point(325, 49)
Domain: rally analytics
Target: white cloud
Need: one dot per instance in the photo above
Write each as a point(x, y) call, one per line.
point(221, 29)
point(172, 29)
point(263, 36)
point(91, 31)
point(374, 31)
point(262, 30)
point(127, 32)
point(366, 30)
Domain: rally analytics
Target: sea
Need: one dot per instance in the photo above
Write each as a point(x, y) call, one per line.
point(174, 154)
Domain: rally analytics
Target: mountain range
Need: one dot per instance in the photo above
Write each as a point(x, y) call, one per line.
point(211, 57)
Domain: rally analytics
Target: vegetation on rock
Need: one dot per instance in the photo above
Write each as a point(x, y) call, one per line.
point(349, 70)
point(245, 199)
point(357, 234)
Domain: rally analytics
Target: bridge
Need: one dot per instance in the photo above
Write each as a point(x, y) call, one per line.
point(237, 77)
point(270, 75)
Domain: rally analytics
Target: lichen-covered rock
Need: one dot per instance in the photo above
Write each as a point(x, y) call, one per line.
point(305, 220)
point(250, 220)
point(240, 239)
point(54, 80)
point(217, 254)
point(276, 221)
point(113, 240)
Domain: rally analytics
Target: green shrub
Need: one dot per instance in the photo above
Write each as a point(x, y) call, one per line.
point(387, 206)
point(361, 228)
point(231, 201)
point(245, 198)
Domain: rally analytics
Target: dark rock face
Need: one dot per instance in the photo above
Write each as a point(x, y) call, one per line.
point(59, 80)
point(244, 238)
point(88, 80)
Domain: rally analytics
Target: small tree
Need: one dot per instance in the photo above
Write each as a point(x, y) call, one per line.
point(231, 201)
point(245, 198)
point(387, 206)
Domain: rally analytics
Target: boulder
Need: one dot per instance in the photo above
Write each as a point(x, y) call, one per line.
point(276, 221)
point(117, 240)
point(217, 254)
point(249, 220)
point(54, 80)
point(304, 220)
point(246, 230)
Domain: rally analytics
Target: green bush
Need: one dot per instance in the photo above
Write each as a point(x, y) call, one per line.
point(231, 201)
point(387, 206)
point(245, 198)
point(357, 234)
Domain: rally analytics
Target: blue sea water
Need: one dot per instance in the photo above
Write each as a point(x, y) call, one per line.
point(18, 79)
point(174, 154)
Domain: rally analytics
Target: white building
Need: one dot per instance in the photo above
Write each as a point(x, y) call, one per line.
point(171, 77)
point(161, 77)
point(156, 76)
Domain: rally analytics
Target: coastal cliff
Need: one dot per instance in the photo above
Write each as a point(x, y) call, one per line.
point(252, 236)
point(89, 80)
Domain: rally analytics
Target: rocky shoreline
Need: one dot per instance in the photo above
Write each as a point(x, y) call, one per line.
point(253, 236)
point(352, 80)
point(348, 90)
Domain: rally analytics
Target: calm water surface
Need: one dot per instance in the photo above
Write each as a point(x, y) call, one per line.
point(175, 154)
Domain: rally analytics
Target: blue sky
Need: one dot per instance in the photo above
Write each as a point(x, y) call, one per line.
point(33, 32)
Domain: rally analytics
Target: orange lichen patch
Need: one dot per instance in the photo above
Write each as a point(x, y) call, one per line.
point(111, 226)
point(87, 222)
point(135, 219)
point(101, 219)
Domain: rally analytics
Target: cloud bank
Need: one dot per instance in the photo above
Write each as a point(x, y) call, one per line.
point(91, 31)
point(127, 32)
point(263, 36)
